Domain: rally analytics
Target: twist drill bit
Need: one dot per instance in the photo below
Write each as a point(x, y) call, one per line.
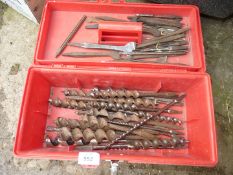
point(161, 118)
point(121, 116)
point(66, 131)
point(145, 120)
point(116, 107)
point(94, 123)
point(154, 128)
point(80, 95)
point(76, 136)
point(156, 143)
point(140, 102)
point(91, 121)
point(95, 92)
point(130, 116)
point(140, 132)
point(144, 144)
point(109, 93)
point(100, 135)
point(73, 92)
point(102, 105)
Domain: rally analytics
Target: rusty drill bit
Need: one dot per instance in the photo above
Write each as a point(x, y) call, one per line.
point(110, 93)
point(154, 128)
point(146, 120)
point(66, 135)
point(76, 136)
point(95, 92)
point(138, 101)
point(161, 16)
point(102, 105)
point(95, 123)
point(154, 21)
point(142, 144)
point(157, 40)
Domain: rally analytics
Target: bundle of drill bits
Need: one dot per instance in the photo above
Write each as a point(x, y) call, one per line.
point(168, 37)
point(118, 119)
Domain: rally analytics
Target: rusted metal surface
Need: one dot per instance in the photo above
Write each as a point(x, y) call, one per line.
point(71, 35)
point(145, 120)
point(112, 117)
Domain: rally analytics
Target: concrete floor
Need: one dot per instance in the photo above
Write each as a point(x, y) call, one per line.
point(17, 44)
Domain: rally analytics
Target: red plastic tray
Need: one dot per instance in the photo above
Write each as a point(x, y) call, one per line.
point(198, 112)
point(50, 74)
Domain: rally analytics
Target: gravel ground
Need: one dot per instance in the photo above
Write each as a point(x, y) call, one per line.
point(17, 44)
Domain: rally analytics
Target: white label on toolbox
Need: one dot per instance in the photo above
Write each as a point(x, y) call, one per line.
point(89, 158)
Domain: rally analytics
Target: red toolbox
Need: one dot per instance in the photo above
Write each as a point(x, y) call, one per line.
point(49, 72)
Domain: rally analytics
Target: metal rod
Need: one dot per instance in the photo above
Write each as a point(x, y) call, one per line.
point(154, 128)
point(112, 54)
point(154, 41)
point(70, 36)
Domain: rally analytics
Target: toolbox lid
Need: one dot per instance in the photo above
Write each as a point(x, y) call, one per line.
point(60, 17)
